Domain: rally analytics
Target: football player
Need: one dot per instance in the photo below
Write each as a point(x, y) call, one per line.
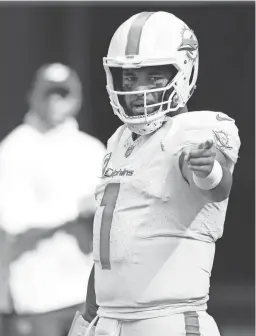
point(164, 191)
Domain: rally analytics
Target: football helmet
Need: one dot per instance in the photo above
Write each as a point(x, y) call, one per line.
point(152, 39)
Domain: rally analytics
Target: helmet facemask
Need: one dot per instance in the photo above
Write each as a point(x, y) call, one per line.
point(169, 100)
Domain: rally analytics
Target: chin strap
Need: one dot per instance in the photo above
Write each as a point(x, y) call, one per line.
point(143, 129)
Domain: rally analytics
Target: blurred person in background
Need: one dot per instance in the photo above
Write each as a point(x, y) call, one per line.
point(48, 173)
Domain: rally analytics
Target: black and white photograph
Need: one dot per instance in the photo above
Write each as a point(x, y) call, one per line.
point(127, 168)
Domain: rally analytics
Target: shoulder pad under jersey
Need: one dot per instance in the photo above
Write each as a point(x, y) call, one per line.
point(196, 127)
point(115, 138)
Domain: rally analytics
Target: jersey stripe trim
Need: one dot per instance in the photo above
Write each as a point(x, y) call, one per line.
point(109, 202)
point(134, 34)
point(192, 324)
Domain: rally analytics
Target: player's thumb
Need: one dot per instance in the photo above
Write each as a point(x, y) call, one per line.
point(206, 145)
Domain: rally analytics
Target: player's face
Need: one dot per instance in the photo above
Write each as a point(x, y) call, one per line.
point(141, 79)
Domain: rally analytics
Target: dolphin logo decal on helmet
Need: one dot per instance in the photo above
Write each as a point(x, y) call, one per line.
point(189, 43)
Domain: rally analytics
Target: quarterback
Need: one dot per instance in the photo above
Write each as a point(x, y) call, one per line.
point(164, 190)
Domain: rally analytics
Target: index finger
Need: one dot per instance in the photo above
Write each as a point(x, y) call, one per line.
point(201, 153)
point(206, 145)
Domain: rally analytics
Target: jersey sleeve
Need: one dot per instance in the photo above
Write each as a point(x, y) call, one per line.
point(196, 127)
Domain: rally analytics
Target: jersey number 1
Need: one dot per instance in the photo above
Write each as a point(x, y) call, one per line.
point(109, 202)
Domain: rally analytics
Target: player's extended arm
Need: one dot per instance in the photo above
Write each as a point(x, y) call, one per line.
point(205, 169)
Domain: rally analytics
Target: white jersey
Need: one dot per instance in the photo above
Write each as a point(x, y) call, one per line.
point(154, 239)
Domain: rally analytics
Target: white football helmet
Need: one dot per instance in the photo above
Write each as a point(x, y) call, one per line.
point(152, 39)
